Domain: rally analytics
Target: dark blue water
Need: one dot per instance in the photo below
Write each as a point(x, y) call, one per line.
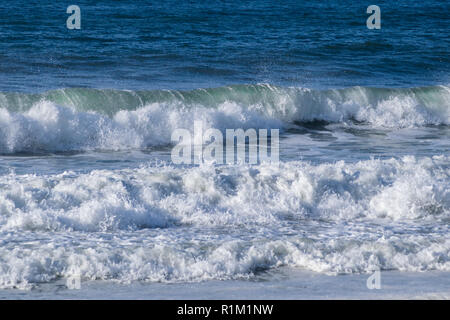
point(199, 44)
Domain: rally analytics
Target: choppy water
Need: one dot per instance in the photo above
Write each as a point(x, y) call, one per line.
point(87, 186)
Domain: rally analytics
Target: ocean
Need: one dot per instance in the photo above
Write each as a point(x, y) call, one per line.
point(89, 193)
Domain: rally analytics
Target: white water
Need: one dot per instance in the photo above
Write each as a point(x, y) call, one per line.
point(368, 189)
point(225, 222)
point(48, 126)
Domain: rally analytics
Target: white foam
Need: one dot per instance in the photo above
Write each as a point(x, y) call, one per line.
point(126, 262)
point(280, 211)
point(46, 126)
point(232, 195)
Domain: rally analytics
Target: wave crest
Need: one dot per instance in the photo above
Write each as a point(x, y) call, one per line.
point(81, 119)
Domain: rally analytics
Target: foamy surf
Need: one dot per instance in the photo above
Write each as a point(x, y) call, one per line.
point(91, 119)
point(169, 224)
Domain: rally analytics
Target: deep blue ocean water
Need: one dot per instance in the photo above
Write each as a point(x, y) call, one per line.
point(87, 186)
point(198, 44)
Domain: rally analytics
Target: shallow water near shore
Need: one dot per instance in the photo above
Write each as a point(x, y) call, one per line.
point(280, 285)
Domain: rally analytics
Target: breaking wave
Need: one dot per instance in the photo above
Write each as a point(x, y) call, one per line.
point(85, 119)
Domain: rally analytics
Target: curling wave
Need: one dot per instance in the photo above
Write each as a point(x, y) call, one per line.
point(83, 119)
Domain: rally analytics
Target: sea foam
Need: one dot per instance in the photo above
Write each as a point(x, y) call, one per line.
point(173, 224)
point(87, 119)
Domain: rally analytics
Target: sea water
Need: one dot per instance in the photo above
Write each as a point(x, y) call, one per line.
point(87, 185)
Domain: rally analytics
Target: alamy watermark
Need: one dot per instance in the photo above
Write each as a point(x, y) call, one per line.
point(74, 20)
point(74, 282)
point(374, 281)
point(374, 20)
point(238, 146)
